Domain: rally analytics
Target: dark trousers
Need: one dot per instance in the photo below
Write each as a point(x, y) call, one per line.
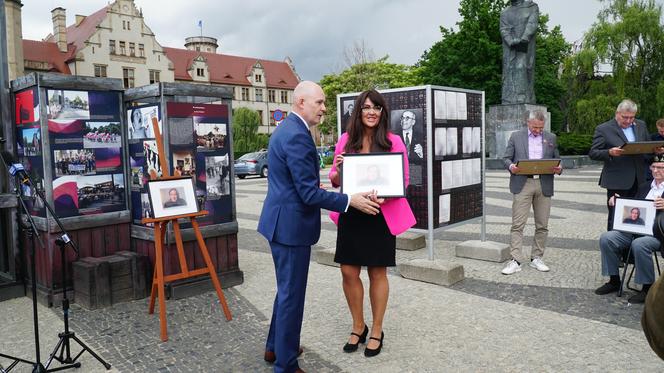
point(627, 193)
point(291, 265)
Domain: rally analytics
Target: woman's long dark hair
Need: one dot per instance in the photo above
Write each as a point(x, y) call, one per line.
point(355, 127)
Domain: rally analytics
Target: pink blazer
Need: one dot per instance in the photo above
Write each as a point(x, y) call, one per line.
point(398, 215)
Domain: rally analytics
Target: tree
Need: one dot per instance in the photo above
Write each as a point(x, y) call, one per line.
point(472, 57)
point(628, 40)
point(245, 131)
point(359, 77)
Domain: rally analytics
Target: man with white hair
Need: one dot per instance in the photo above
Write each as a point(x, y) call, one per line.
point(621, 174)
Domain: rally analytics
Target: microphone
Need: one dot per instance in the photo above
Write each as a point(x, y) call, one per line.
point(14, 166)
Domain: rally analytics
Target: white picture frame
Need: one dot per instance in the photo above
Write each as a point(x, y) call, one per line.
point(172, 197)
point(624, 221)
point(383, 172)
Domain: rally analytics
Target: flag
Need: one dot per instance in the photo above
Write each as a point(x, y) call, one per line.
point(200, 23)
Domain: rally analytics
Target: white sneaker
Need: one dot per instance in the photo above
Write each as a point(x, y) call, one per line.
point(511, 268)
point(539, 265)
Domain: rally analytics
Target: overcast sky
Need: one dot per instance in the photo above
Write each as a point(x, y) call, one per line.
point(313, 33)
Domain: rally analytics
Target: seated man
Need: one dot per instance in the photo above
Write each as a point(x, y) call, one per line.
point(613, 244)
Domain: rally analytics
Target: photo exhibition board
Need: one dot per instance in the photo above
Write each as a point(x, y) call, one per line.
point(199, 144)
point(29, 145)
point(85, 136)
point(456, 125)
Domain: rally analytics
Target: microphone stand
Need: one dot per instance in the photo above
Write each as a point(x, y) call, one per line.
point(30, 231)
point(64, 343)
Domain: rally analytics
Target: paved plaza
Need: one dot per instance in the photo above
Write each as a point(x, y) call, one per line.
point(530, 321)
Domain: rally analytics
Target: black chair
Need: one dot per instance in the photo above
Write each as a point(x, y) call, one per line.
point(630, 260)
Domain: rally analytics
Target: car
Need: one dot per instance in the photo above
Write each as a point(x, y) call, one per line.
point(251, 164)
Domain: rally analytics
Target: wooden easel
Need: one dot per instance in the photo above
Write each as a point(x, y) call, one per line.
point(160, 227)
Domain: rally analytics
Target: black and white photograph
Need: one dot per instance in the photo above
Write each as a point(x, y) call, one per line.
point(348, 106)
point(462, 106)
point(210, 135)
point(153, 167)
point(409, 125)
point(74, 162)
point(439, 105)
point(477, 139)
point(68, 105)
point(383, 172)
point(444, 208)
point(99, 191)
point(170, 197)
point(181, 131)
point(139, 120)
point(452, 174)
point(634, 216)
point(146, 209)
point(102, 135)
point(440, 142)
point(217, 176)
point(467, 140)
point(452, 147)
point(451, 105)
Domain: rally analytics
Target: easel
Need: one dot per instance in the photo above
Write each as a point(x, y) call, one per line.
point(160, 227)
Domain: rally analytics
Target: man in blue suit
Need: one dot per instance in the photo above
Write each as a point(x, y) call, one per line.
point(290, 219)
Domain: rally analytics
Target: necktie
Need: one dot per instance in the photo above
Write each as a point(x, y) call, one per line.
point(408, 141)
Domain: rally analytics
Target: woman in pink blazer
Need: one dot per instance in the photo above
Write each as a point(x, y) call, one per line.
point(369, 240)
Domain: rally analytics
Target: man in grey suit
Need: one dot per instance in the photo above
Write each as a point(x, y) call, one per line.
point(621, 174)
point(536, 190)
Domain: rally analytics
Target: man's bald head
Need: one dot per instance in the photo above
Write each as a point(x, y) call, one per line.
point(309, 102)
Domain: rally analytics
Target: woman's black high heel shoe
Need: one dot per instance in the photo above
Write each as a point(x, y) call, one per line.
point(368, 352)
point(352, 347)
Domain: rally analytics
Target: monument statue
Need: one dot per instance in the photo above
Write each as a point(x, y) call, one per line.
point(518, 25)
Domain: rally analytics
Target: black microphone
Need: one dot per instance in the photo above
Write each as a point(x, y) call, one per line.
point(14, 166)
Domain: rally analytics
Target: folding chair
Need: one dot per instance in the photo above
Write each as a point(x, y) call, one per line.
point(630, 260)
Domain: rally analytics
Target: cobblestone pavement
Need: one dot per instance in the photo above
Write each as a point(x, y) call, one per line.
point(529, 321)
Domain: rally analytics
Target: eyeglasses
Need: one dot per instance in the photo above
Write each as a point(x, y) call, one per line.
point(407, 118)
point(375, 109)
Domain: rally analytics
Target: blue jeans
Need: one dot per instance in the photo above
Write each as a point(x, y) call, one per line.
point(614, 244)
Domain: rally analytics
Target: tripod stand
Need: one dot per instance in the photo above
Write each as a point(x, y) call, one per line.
point(64, 343)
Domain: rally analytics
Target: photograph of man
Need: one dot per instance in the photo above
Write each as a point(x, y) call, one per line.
point(348, 107)
point(530, 190)
point(621, 174)
point(614, 245)
point(633, 216)
point(174, 199)
point(371, 176)
point(409, 125)
point(137, 129)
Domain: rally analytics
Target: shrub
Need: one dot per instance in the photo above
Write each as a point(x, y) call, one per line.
point(574, 144)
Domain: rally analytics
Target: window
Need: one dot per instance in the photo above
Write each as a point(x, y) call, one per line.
point(141, 50)
point(128, 77)
point(125, 25)
point(259, 95)
point(258, 78)
point(100, 71)
point(132, 49)
point(200, 71)
point(154, 76)
point(245, 94)
point(123, 50)
point(111, 46)
point(128, 25)
point(260, 114)
point(271, 95)
point(284, 97)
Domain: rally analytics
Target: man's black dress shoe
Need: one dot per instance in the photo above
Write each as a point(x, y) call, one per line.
point(368, 352)
point(271, 357)
point(639, 297)
point(352, 347)
point(607, 288)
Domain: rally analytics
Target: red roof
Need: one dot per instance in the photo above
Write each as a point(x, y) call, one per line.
point(78, 35)
point(226, 69)
point(43, 51)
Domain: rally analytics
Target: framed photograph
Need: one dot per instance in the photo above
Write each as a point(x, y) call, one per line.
point(537, 166)
point(380, 171)
point(641, 147)
point(172, 197)
point(634, 215)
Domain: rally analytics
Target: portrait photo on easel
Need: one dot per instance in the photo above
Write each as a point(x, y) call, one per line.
point(171, 197)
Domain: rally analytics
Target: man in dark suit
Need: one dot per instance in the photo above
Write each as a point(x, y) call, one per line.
point(290, 219)
point(536, 190)
point(621, 174)
point(614, 244)
point(411, 134)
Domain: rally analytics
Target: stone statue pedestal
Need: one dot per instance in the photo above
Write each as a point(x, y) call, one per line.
point(504, 119)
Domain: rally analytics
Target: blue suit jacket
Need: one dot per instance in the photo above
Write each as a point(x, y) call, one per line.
point(291, 212)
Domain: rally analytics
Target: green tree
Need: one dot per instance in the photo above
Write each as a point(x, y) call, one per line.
point(379, 74)
point(627, 42)
point(471, 57)
point(245, 131)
